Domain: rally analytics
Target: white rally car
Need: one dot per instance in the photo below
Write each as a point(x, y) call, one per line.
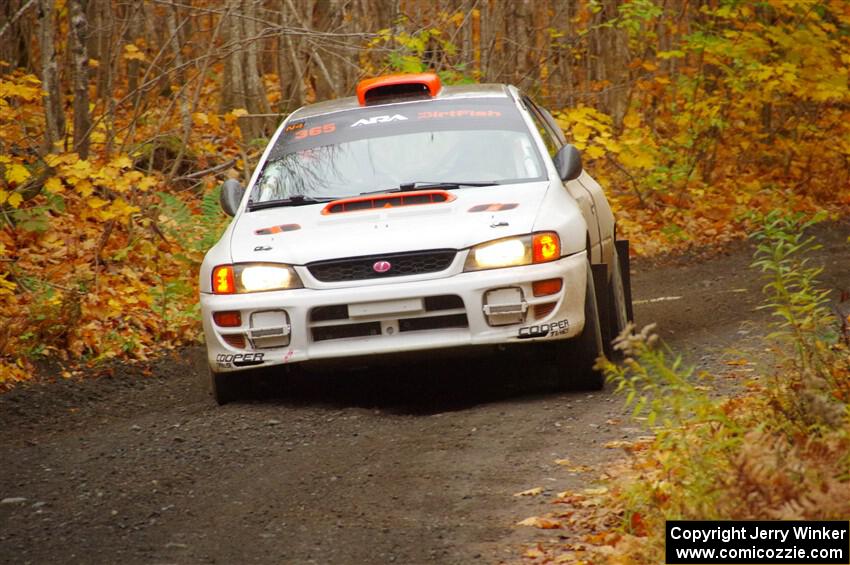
point(414, 217)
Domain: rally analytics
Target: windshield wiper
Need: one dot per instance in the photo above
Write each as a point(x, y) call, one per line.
point(297, 200)
point(421, 185)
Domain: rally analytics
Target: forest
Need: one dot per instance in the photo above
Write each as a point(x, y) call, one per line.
point(707, 121)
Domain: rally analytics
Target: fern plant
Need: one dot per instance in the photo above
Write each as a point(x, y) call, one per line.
point(195, 231)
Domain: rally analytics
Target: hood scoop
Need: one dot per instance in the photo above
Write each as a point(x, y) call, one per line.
point(387, 201)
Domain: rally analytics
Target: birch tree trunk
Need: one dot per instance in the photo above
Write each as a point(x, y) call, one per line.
point(80, 59)
point(182, 97)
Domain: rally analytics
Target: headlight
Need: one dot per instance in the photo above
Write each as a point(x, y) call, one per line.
point(513, 251)
point(253, 277)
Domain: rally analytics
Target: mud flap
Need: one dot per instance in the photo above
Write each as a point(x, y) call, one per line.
point(600, 282)
point(626, 274)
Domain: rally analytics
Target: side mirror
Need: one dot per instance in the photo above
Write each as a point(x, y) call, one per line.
point(568, 162)
point(231, 196)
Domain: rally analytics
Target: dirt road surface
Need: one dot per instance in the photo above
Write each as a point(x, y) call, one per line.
point(399, 465)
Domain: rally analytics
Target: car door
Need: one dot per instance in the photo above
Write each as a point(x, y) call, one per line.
point(554, 140)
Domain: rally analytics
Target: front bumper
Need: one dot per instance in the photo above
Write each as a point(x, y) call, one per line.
point(401, 316)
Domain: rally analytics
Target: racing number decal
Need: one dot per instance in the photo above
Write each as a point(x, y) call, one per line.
point(315, 130)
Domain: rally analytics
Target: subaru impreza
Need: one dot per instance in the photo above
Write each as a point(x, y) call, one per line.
point(414, 217)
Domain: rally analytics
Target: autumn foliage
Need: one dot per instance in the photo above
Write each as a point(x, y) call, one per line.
point(693, 115)
point(776, 450)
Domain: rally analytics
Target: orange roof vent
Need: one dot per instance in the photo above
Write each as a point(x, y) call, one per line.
point(382, 89)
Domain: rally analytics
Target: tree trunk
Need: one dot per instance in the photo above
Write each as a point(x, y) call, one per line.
point(255, 89)
point(233, 87)
point(291, 70)
point(54, 117)
point(182, 97)
point(79, 53)
point(135, 30)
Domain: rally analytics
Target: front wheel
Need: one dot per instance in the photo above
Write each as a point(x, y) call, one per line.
point(574, 359)
point(226, 387)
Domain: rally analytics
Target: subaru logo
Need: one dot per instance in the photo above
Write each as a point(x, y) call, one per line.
point(381, 266)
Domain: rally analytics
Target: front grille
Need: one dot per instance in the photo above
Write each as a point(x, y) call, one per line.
point(441, 312)
point(433, 323)
point(325, 313)
point(401, 264)
point(346, 331)
point(443, 302)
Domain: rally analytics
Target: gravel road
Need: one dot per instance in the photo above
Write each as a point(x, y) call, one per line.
point(405, 464)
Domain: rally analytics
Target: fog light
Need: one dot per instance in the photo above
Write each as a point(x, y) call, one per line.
point(547, 287)
point(229, 319)
point(505, 306)
point(269, 329)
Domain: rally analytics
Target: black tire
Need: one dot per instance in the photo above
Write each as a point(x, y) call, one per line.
point(575, 358)
point(225, 387)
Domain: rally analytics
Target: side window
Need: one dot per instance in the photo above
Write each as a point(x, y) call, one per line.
point(553, 143)
point(556, 129)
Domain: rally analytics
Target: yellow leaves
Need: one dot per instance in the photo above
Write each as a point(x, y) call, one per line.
point(632, 120)
point(121, 162)
point(54, 185)
point(132, 53)
point(55, 160)
point(16, 173)
point(595, 151)
point(26, 88)
point(120, 209)
point(637, 158)
point(596, 491)
point(200, 118)
point(7, 287)
point(96, 202)
point(533, 553)
point(14, 372)
point(234, 114)
point(618, 444)
point(530, 492)
point(13, 199)
point(539, 522)
point(581, 133)
point(146, 183)
point(75, 171)
point(117, 175)
point(84, 187)
point(116, 209)
point(589, 130)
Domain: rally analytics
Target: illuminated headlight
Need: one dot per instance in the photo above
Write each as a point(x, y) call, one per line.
point(514, 251)
point(253, 277)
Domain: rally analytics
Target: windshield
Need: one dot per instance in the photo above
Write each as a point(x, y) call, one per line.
point(382, 148)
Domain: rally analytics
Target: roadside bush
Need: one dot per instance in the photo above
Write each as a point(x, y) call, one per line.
point(779, 450)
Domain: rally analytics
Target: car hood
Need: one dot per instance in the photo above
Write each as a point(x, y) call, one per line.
point(302, 234)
